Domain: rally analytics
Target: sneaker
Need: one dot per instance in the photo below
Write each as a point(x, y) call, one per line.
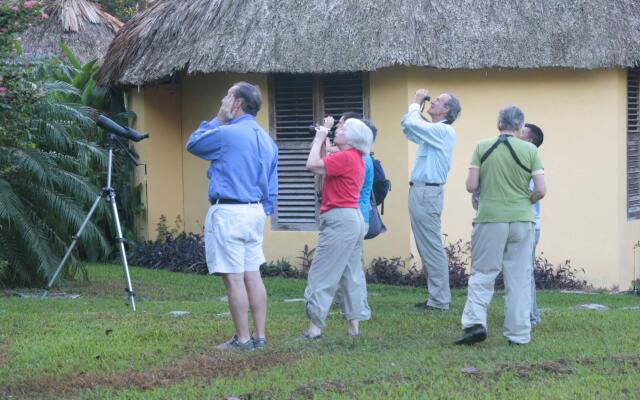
point(259, 343)
point(234, 343)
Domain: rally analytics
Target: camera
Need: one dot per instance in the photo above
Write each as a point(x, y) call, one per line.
point(332, 131)
point(424, 101)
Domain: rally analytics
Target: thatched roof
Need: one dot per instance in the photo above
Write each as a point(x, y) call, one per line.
point(81, 24)
point(359, 35)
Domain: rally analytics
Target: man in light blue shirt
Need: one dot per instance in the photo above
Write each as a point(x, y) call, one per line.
point(243, 185)
point(533, 134)
point(435, 140)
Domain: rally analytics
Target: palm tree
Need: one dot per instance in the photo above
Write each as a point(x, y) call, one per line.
point(44, 188)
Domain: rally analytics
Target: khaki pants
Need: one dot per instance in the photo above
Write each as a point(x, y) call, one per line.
point(425, 209)
point(336, 262)
point(505, 247)
point(362, 283)
point(535, 313)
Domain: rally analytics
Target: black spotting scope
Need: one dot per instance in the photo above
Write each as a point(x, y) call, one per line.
point(119, 130)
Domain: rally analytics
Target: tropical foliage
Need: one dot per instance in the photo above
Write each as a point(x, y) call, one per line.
point(123, 9)
point(52, 159)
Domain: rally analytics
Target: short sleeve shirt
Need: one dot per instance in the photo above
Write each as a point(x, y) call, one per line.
point(505, 185)
point(343, 180)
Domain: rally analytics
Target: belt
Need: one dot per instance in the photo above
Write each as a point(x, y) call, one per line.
point(231, 201)
point(425, 184)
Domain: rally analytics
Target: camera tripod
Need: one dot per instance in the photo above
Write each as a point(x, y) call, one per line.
point(109, 195)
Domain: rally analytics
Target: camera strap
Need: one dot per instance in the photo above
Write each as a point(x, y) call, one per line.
point(504, 139)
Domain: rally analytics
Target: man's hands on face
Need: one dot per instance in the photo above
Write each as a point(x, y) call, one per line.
point(420, 95)
point(227, 109)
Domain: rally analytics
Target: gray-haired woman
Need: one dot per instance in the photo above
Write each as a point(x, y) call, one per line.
point(338, 255)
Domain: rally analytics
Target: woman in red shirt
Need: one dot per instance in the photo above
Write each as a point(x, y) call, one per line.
point(337, 258)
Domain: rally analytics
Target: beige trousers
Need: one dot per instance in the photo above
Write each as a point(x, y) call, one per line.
point(425, 209)
point(505, 247)
point(337, 261)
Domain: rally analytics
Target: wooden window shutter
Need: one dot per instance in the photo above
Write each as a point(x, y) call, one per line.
point(297, 101)
point(633, 144)
point(292, 109)
point(344, 92)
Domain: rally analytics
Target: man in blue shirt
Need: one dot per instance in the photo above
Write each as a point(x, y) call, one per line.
point(533, 134)
point(435, 140)
point(243, 185)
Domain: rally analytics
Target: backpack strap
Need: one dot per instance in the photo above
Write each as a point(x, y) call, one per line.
point(504, 139)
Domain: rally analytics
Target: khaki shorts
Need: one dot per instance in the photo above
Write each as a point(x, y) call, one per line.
point(233, 238)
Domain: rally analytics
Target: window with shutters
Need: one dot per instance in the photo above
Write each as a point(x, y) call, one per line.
point(295, 102)
point(633, 144)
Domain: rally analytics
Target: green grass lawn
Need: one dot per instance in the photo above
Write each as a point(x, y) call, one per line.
point(95, 347)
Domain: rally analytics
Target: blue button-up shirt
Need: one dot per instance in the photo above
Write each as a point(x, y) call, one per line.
point(364, 202)
point(244, 160)
point(435, 146)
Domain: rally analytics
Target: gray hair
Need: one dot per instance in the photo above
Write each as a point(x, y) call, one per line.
point(250, 97)
point(453, 104)
point(510, 118)
point(359, 135)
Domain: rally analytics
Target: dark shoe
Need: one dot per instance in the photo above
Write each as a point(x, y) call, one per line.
point(259, 343)
point(234, 343)
point(473, 334)
point(307, 336)
point(421, 305)
point(516, 343)
point(425, 307)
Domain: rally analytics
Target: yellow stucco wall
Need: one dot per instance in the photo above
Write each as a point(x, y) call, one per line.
point(158, 112)
point(583, 115)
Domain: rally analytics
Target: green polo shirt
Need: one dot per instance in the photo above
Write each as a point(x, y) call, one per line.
point(504, 186)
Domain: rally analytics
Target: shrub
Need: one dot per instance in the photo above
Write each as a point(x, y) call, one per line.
point(391, 271)
point(281, 268)
point(178, 251)
point(172, 250)
point(562, 277)
point(459, 254)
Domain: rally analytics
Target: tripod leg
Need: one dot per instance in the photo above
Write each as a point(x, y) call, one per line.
point(123, 254)
point(72, 246)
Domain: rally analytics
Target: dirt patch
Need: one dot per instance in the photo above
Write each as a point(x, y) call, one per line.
point(631, 359)
point(525, 370)
point(204, 367)
point(342, 387)
point(307, 391)
point(4, 354)
point(560, 367)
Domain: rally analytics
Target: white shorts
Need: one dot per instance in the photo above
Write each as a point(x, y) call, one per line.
point(233, 238)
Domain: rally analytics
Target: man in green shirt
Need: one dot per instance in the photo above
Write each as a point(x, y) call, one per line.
point(503, 233)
